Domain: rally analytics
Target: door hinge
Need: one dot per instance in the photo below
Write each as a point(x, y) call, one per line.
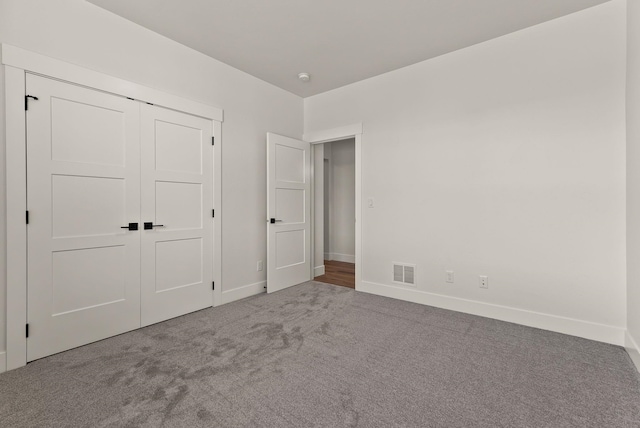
point(213, 141)
point(213, 285)
point(27, 216)
point(213, 213)
point(26, 101)
point(27, 330)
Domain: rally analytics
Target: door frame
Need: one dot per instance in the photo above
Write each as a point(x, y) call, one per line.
point(16, 62)
point(327, 136)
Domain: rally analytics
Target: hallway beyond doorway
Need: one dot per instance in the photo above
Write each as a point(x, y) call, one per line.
point(338, 273)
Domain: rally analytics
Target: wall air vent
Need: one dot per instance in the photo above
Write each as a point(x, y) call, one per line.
point(404, 273)
point(398, 273)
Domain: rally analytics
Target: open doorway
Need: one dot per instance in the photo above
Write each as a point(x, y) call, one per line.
point(335, 195)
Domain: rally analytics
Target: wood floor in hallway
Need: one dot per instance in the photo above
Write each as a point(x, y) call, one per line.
point(338, 273)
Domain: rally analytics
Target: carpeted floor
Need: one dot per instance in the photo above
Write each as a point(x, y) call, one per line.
point(322, 355)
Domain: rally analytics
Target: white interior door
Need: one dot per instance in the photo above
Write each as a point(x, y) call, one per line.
point(177, 204)
point(83, 185)
point(289, 211)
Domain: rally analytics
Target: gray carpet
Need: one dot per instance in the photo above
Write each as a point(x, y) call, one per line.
point(321, 355)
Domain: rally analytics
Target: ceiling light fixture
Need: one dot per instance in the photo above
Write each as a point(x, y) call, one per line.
point(305, 77)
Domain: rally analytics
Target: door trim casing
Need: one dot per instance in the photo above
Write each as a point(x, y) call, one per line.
point(326, 136)
point(16, 63)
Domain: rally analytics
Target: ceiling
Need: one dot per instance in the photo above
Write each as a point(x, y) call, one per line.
point(337, 41)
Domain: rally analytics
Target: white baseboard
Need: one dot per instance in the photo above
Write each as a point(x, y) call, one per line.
point(245, 291)
point(318, 271)
point(573, 327)
point(3, 362)
point(348, 258)
point(632, 348)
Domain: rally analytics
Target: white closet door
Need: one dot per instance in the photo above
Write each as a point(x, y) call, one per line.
point(177, 203)
point(83, 185)
point(288, 207)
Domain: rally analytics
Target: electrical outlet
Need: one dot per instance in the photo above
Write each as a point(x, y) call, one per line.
point(450, 276)
point(260, 266)
point(484, 281)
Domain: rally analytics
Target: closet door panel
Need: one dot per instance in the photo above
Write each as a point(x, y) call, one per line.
point(177, 203)
point(83, 186)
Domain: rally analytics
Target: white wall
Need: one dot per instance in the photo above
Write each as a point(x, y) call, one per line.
point(633, 180)
point(83, 34)
point(342, 233)
point(504, 159)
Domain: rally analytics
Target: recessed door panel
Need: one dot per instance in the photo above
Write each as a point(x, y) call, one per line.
point(178, 263)
point(179, 205)
point(83, 185)
point(290, 247)
point(290, 163)
point(87, 133)
point(177, 200)
point(178, 147)
point(84, 206)
point(88, 277)
point(288, 204)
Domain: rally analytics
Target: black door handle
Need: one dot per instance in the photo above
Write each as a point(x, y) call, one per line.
point(273, 220)
point(149, 225)
point(132, 226)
